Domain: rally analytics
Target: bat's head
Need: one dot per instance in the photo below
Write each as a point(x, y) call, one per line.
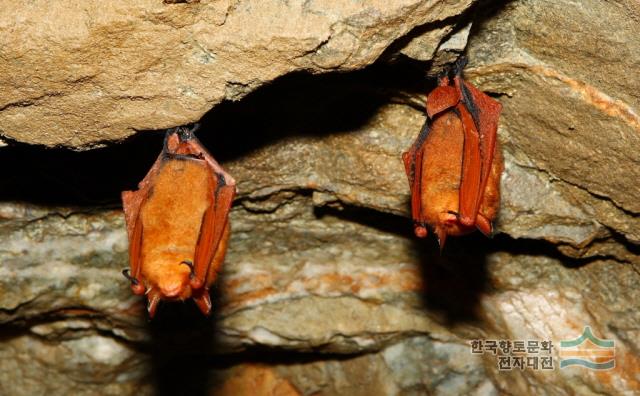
point(447, 224)
point(185, 133)
point(174, 284)
point(181, 140)
point(168, 281)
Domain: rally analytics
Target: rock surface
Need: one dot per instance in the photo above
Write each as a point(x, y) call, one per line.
point(80, 74)
point(324, 289)
point(567, 111)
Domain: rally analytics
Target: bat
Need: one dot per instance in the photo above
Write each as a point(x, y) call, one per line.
point(177, 223)
point(454, 165)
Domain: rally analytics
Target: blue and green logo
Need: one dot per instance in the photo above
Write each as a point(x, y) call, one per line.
point(588, 351)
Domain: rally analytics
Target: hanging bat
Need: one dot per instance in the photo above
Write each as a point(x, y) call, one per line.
point(177, 223)
point(454, 166)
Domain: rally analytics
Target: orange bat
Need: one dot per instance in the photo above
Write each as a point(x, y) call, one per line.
point(454, 166)
point(177, 223)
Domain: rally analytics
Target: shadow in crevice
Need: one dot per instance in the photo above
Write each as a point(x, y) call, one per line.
point(387, 223)
point(299, 104)
point(455, 278)
point(182, 339)
point(60, 177)
point(631, 247)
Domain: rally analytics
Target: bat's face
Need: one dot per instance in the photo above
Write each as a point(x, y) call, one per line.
point(168, 281)
point(169, 277)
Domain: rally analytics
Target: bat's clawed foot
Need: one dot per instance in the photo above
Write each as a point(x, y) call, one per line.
point(441, 233)
point(135, 284)
point(443, 77)
point(130, 278)
point(203, 301)
point(420, 229)
point(190, 265)
point(484, 225)
point(451, 71)
point(152, 304)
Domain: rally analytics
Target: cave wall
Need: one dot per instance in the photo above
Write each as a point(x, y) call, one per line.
point(309, 106)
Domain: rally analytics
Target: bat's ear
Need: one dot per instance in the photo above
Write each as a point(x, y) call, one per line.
point(168, 139)
point(194, 127)
point(441, 233)
point(152, 303)
point(171, 131)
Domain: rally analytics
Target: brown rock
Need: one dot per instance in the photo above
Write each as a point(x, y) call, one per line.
point(298, 282)
point(87, 365)
point(256, 380)
point(82, 74)
point(569, 112)
point(417, 365)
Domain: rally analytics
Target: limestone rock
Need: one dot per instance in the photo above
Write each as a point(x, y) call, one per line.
point(30, 365)
point(346, 288)
point(568, 110)
point(364, 168)
point(81, 74)
point(417, 365)
point(256, 380)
